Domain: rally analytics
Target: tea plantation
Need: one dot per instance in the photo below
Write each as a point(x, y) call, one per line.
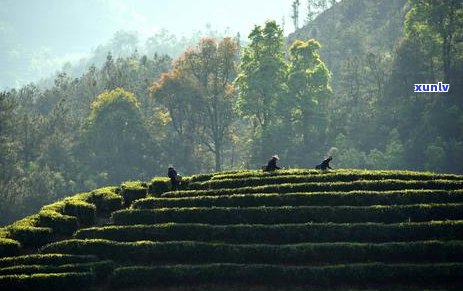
point(286, 230)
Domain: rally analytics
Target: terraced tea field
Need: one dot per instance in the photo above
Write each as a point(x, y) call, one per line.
point(346, 229)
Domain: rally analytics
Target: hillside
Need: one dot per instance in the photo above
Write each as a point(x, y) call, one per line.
point(355, 28)
point(246, 229)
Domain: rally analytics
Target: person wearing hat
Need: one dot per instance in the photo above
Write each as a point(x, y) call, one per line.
point(272, 164)
point(172, 174)
point(325, 164)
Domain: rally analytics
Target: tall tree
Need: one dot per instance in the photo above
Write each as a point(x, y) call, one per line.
point(180, 104)
point(114, 137)
point(203, 92)
point(308, 84)
point(261, 82)
point(212, 67)
point(295, 13)
point(438, 22)
point(7, 145)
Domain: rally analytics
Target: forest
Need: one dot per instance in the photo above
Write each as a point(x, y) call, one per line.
point(341, 85)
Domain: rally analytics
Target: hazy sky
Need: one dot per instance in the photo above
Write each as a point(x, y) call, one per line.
point(67, 26)
point(37, 35)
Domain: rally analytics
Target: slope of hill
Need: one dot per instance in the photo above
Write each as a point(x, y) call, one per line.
point(246, 229)
point(355, 28)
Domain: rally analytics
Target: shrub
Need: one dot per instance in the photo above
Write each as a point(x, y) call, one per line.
point(383, 185)
point(358, 198)
point(402, 276)
point(8, 247)
point(280, 233)
point(201, 177)
point(27, 233)
point(28, 221)
point(61, 224)
point(338, 175)
point(83, 211)
point(106, 200)
point(31, 236)
point(101, 269)
point(290, 214)
point(312, 178)
point(46, 259)
point(132, 191)
point(159, 186)
point(54, 281)
point(146, 252)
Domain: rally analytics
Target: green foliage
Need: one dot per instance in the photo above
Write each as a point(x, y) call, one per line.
point(146, 252)
point(366, 185)
point(31, 236)
point(437, 25)
point(101, 269)
point(232, 181)
point(133, 190)
point(308, 87)
point(28, 234)
point(53, 281)
point(198, 98)
point(339, 174)
point(106, 200)
point(114, 138)
point(8, 247)
point(46, 259)
point(83, 211)
point(358, 198)
point(261, 83)
point(159, 186)
point(61, 224)
point(241, 275)
point(297, 217)
point(291, 214)
point(279, 233)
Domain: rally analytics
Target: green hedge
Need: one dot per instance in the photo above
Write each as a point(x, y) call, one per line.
point(106, 200)
point(364, 276)
point(26, 232)
point(85, 212)
point(343, 174)
point(201, 177)
point(160, 185)
point(148, 252)
point(382, 185)
point(354, 198)
point(61, 224)
point(101, 269)
point(8, 247)
point(279, 234)
point(290, 214)
point(293, 179)
point(46, 259)
point(32, 236)
point(46, 282)
point(133, 190)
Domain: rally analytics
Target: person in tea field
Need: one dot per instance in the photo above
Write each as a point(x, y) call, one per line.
point(174, 177)
point(325, 164)
point(272, 164)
